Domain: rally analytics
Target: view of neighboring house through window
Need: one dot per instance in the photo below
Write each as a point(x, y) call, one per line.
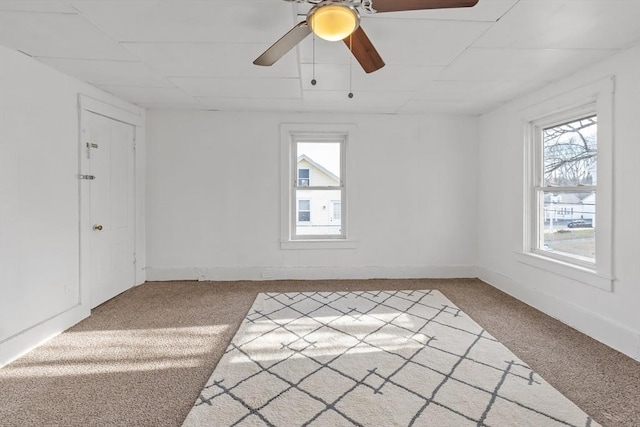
point(566, 188)
point(318, 190)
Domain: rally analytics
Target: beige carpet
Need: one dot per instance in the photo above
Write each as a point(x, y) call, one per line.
point(373, 358)
point(143, 357)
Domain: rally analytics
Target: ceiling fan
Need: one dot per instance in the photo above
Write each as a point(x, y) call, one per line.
point(335, 20)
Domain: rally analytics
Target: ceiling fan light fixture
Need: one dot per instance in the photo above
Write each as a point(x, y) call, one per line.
point(333, 21)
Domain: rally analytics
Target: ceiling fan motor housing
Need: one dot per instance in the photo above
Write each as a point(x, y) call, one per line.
point(333, 20)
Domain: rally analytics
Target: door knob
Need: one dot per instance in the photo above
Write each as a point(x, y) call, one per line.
point(97, 227)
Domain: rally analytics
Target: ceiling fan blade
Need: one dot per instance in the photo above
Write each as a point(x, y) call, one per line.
point(284, 45)
point(400, 5)
point(362, 48)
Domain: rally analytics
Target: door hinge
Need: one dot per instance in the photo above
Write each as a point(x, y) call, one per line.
point(86, 177)
point(90, 145)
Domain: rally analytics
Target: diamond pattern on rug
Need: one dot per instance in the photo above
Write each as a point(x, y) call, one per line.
point(392, 358)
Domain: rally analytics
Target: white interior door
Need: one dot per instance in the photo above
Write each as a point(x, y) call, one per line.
point(110, 160)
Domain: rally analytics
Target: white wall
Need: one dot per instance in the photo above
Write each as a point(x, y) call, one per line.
point(40, 290)
point(213, 198)
point(611, 317)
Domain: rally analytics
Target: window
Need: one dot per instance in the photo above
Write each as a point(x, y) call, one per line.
point(321, 158)
point(304, 210)
point(314, 191)
point(566, 187)
point(336, 210)
point(568, 204)
point(303, 177)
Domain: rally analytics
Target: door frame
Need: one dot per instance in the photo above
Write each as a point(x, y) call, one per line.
point(88, 105)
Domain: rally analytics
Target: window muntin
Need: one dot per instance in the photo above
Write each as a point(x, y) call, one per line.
point(318, 162)
point(565, 194)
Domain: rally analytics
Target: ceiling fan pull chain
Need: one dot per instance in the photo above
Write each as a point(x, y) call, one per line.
point(350, 65)
point(313, 62)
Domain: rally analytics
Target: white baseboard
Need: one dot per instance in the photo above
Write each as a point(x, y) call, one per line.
point(311, 273)
point(23, 342)
point(607, 331)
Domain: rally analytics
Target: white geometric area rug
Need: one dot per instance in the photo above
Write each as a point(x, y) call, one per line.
point(389, 358)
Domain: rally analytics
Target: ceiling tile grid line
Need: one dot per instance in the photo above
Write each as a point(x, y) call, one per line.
point(456, 57)
point(143, 75)
point(38, 11)
point(188, 54)
point(116, 89)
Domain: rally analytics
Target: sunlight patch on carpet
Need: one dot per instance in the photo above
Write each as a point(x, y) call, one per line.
point(120, 350)
point(373, 358)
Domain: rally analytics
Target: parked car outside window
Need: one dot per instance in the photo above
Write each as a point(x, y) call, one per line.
point(579, 223)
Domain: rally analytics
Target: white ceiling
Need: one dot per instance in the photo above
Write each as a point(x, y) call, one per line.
point(197, 54)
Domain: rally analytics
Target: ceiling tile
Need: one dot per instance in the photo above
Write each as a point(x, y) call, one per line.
point(211, 59)
point(150, 95)
point(327, 76)
point(390, 78)
point(109, 72)
point(252, 104)
point(49, 6)
point(325, 52)
point(455, 90)
point(172, 106)
point(420, 42)
point(198, 54)
point(402, 42)
point(566, 24)
point(239, 88)
point(520, 64)
point(449, 107)
point(189, 20)
point(484, 10)
point(57, 35)
point(338, 100)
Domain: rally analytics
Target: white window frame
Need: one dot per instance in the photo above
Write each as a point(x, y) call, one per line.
point(329, 138)
point(594, 98)
point(290, 135)
point(537, 129)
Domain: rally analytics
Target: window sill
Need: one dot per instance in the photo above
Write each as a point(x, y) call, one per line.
point(571, 271)
point(318, 244)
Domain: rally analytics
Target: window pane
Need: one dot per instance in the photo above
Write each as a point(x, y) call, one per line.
point(304, 216)
point(319, 213)
point(321, 163)
point(567, 224)
point(304, 205)
point(570, 153)
point(337, 210)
